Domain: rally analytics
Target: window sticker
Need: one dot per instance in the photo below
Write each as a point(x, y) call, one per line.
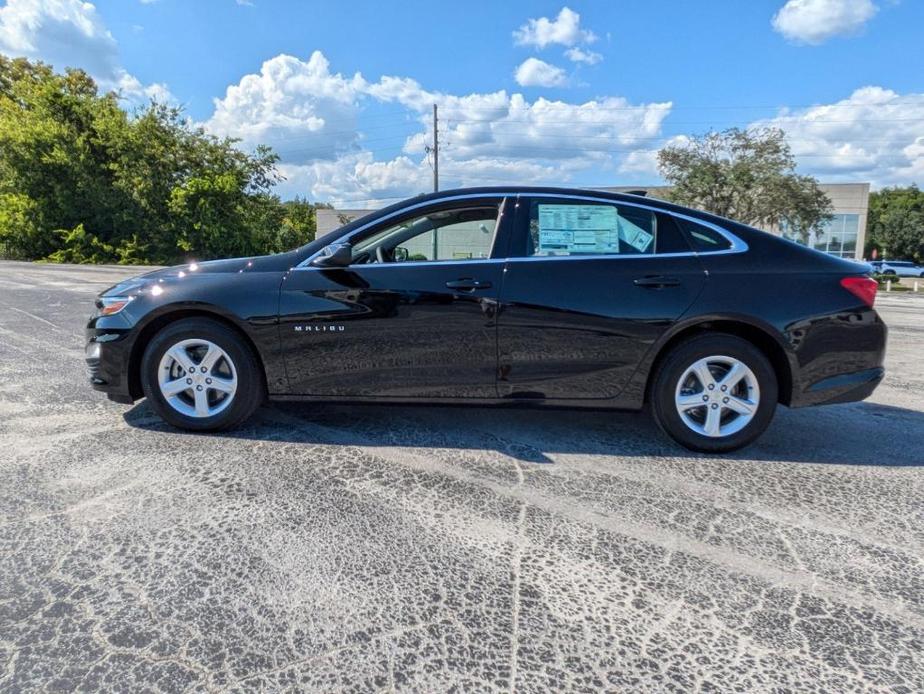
point(634, 235)
point(588, 229)
point(578, 229)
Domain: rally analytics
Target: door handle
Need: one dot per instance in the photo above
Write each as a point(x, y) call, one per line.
point(467, 284)
point(656, 281)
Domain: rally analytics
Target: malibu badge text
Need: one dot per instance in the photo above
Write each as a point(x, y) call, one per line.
point(320, 328)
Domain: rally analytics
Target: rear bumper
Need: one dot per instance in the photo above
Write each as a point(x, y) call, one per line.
point(842, 360)
point(839, 357)
point(843, 388)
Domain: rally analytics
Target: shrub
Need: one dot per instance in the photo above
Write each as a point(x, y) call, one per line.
point(882, 278)
point(81, 247)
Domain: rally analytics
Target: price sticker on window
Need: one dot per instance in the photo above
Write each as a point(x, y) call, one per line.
point(578, 230)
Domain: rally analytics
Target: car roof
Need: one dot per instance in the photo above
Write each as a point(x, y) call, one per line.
point(490, 191)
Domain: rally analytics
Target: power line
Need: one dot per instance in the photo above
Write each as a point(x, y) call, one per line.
point(333, 146)
point(370, 199)
point(583, 150)
point(349, 131)
point(594, 106)
point(546, 136)
point(541, 120)
point(627, 139)
point(498, 126)
point(663, 136)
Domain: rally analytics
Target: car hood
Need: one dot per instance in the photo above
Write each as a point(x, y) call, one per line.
point(263, 263)
point(260, 263)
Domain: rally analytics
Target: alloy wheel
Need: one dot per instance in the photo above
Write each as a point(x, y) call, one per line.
point(717, 396)
point(197, 378)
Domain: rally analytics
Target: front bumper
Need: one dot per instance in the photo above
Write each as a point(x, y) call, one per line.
point(107, 356)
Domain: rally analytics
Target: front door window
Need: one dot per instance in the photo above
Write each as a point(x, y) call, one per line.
point(455, 234)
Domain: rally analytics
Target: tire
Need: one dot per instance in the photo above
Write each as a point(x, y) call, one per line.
point(232, 382)
point(679, 384)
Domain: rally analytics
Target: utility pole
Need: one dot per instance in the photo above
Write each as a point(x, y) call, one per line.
point(436, 151)
point(436, 177)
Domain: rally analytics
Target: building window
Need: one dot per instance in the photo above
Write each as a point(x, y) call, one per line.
point(837, 237)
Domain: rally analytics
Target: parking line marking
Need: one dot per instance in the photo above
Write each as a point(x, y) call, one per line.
point(32, 315)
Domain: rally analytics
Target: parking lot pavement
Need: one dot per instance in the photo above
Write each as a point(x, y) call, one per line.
point(333, 548)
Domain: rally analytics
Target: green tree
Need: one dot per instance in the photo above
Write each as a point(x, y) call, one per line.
point(51, 156)
point(895, 227)
point(745, 175)
point(81, 180)
point(299, 224)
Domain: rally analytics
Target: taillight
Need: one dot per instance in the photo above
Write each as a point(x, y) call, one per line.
point(864, 288)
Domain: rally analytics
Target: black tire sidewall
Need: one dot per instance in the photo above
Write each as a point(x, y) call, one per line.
point(250, 388)
point(677, 362)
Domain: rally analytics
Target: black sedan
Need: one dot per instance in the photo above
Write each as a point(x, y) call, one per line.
point(495, 296)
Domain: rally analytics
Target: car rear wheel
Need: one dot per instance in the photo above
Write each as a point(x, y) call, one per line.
point(200, 375)
point(714, 393)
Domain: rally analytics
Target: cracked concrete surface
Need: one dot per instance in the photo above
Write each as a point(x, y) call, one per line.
point(409, 548)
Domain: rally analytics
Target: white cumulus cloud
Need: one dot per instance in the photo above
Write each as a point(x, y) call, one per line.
point(873, 135)
point(565, 30)
point(356, 180)
point(815, 21)
point(70, 33)
point(533, 72)
point(297, 107)
point(551, 131)
point(313, 116)
point(579, 55)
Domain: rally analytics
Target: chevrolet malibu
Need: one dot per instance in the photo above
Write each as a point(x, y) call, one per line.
point(542, 297)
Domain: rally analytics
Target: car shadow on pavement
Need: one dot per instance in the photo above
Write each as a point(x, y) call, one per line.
point(850, 434)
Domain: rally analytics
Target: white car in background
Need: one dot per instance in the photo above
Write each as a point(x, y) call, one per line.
point(902, 268)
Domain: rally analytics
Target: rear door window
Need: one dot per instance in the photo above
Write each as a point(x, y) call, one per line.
point(568, 228)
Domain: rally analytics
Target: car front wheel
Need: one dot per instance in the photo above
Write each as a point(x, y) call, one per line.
point(198, 374)
point(714, 393)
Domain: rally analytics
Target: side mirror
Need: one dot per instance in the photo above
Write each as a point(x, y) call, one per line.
point(335, 255)
point(400, 254)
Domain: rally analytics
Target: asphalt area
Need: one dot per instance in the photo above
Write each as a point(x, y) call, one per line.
point(433, 549)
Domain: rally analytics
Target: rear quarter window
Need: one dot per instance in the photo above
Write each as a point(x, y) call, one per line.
point(704, 239)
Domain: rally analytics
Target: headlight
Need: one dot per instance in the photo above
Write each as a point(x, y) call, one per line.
point(110, 305)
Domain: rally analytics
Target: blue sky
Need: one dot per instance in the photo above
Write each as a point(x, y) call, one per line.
point(581, 93)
